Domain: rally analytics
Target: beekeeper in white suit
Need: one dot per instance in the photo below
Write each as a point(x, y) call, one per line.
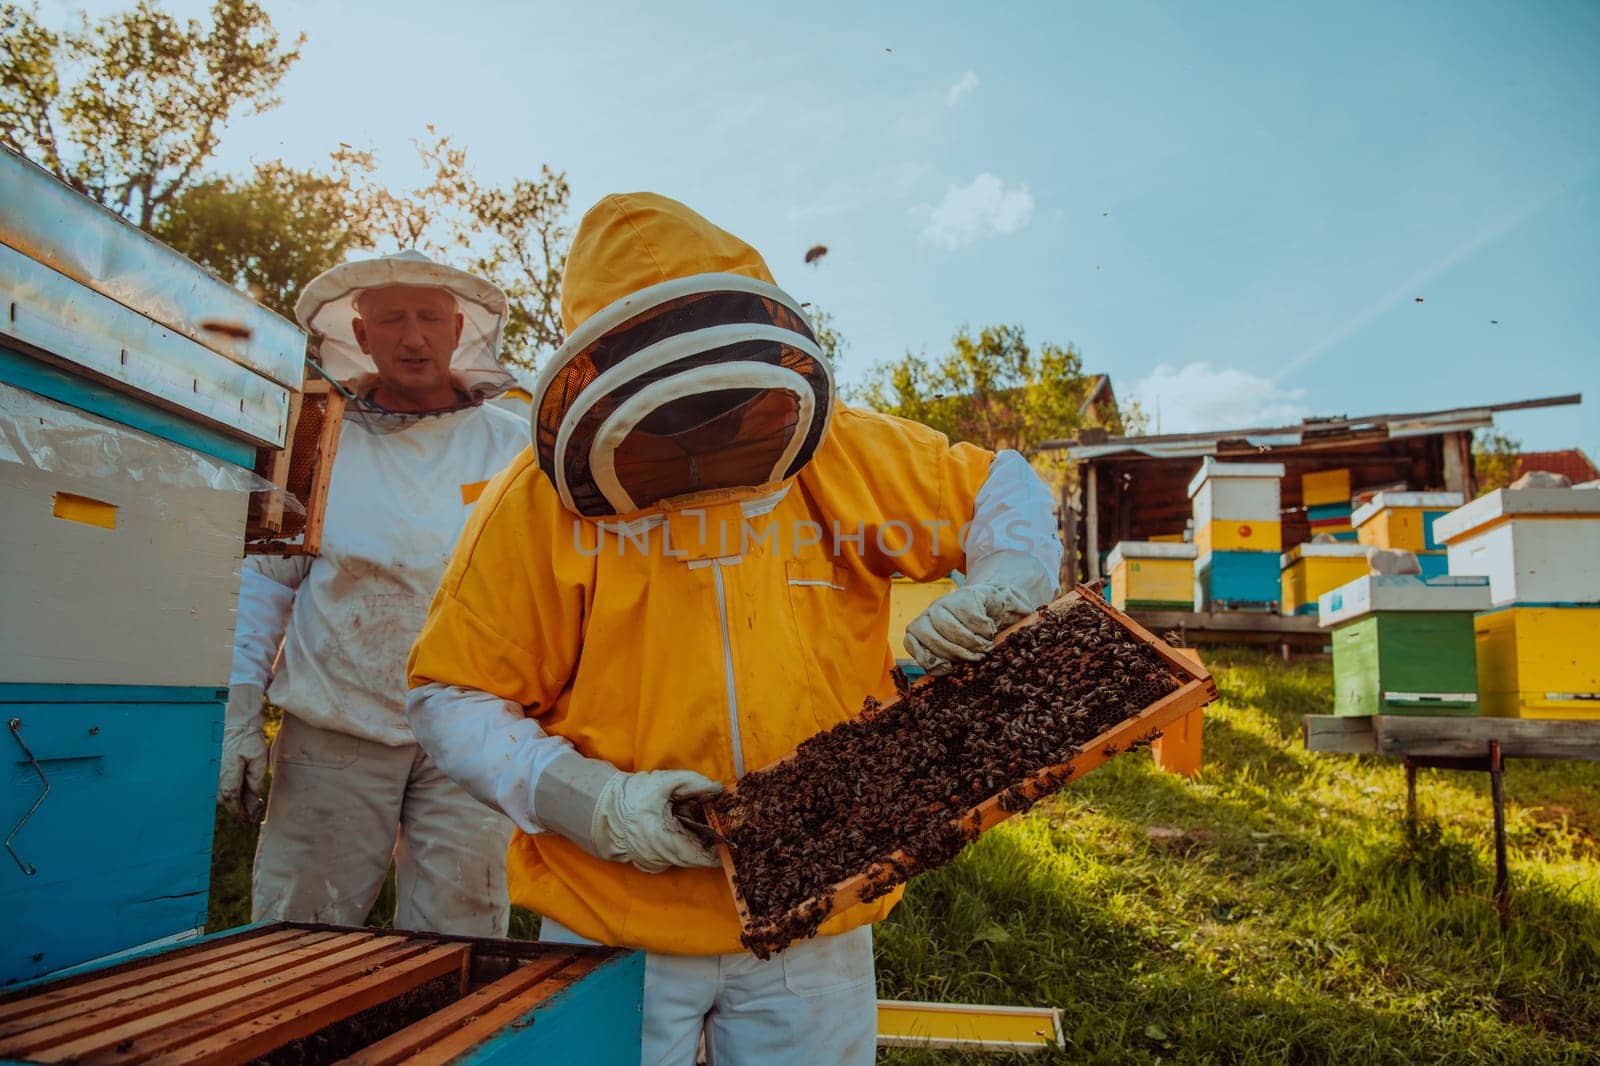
point(416, 342)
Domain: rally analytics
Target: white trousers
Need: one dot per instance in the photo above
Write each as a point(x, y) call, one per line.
point(340, 808)
point(815, 1003)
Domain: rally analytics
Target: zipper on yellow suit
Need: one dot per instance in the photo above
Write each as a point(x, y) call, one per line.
point(727, 669)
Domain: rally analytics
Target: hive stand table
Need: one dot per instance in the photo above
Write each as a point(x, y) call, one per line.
point(1481, 744)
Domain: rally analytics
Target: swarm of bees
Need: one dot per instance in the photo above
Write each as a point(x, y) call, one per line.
point(891, 793)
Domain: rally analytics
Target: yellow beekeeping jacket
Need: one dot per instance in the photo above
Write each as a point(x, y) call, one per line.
point(712, 638)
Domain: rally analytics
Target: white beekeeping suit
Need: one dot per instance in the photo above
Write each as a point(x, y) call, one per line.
point(350, 785)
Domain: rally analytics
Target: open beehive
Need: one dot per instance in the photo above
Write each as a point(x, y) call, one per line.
point(290, 993)
point(904, 786)
point(302, 469)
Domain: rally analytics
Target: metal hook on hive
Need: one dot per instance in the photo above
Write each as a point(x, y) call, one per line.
point(27, 868)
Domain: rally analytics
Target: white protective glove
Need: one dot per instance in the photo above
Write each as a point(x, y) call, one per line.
point(244, 754)
point(960, 626)
point(623, 817)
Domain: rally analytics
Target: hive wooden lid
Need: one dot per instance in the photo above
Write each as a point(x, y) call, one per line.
point(1149, 549)
point(1211, 469)
point(1384, 501)
point(1516, 503)
point(1340, 550)
point(1382, 592)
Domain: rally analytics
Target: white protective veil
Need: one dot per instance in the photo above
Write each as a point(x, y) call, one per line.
point(327, 305)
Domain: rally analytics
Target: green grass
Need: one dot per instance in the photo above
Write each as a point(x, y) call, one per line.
point(1276, 909)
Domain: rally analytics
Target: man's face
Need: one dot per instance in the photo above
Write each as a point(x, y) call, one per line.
point(410, 332)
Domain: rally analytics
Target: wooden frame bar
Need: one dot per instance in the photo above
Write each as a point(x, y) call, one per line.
point(259, 1035)
point(235, 998)
point(512, 1010)
point(1196, 689)
point(34, 1008)
point(467, 1012)
point(269, 532)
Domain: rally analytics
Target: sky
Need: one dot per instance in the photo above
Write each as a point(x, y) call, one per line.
point(1245, 213)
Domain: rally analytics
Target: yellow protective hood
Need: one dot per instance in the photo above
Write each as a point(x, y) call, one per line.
point(687, 374)
point(631, 241)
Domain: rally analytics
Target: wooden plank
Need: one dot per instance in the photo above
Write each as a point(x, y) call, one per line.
point(1339, 735)
point(105, 1029)
point(257, 1036)
point(277, 472)
point(1520, 738)
point(1293, 625)
point(435, 1027)
point(134, 973)
point(322, 476)
point(139, 990)
point(511, 1011)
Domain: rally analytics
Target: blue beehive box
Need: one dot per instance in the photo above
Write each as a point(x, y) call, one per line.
point(1237, 581)
point(130, 435)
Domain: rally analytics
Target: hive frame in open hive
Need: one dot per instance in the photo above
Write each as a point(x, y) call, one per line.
point(303, 468)
point(1196, 689)
point(241, 996)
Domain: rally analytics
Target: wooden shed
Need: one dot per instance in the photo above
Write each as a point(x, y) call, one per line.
point(1135, 488)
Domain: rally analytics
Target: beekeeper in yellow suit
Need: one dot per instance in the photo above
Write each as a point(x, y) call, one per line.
point(684, 577)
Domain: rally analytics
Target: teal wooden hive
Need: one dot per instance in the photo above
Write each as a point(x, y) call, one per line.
point(130, 431)
point(1404, 645)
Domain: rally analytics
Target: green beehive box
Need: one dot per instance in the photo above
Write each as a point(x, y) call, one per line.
point(1406, 663)
point(1404, 646)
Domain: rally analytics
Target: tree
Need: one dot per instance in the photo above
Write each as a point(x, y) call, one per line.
point(515, 235)
point(829, 339)
point(527, 238)
point(150, 101)
point(1494, 459)
point(273, 231)
point(137, 127)
point(992, 389)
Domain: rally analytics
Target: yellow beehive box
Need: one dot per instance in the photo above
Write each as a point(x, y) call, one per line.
point(1403, 519)
point(1309, 570)
point(1238, 536)
point(1539, 662)
point(1152, 575)
point(907, 599)
point(1325, 486)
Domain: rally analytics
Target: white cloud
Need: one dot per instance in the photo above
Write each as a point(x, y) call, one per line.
point(964, 85)
point(1199, 397)
point(986, 208)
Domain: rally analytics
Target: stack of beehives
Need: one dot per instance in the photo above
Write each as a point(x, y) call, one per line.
point(1405, 520)
point(1539, 548)
point(1326, 497)
point(1238, 535)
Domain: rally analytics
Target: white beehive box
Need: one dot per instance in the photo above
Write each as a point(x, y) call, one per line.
point(1536, 546)
point(1384, 592)
point(1235, 492)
